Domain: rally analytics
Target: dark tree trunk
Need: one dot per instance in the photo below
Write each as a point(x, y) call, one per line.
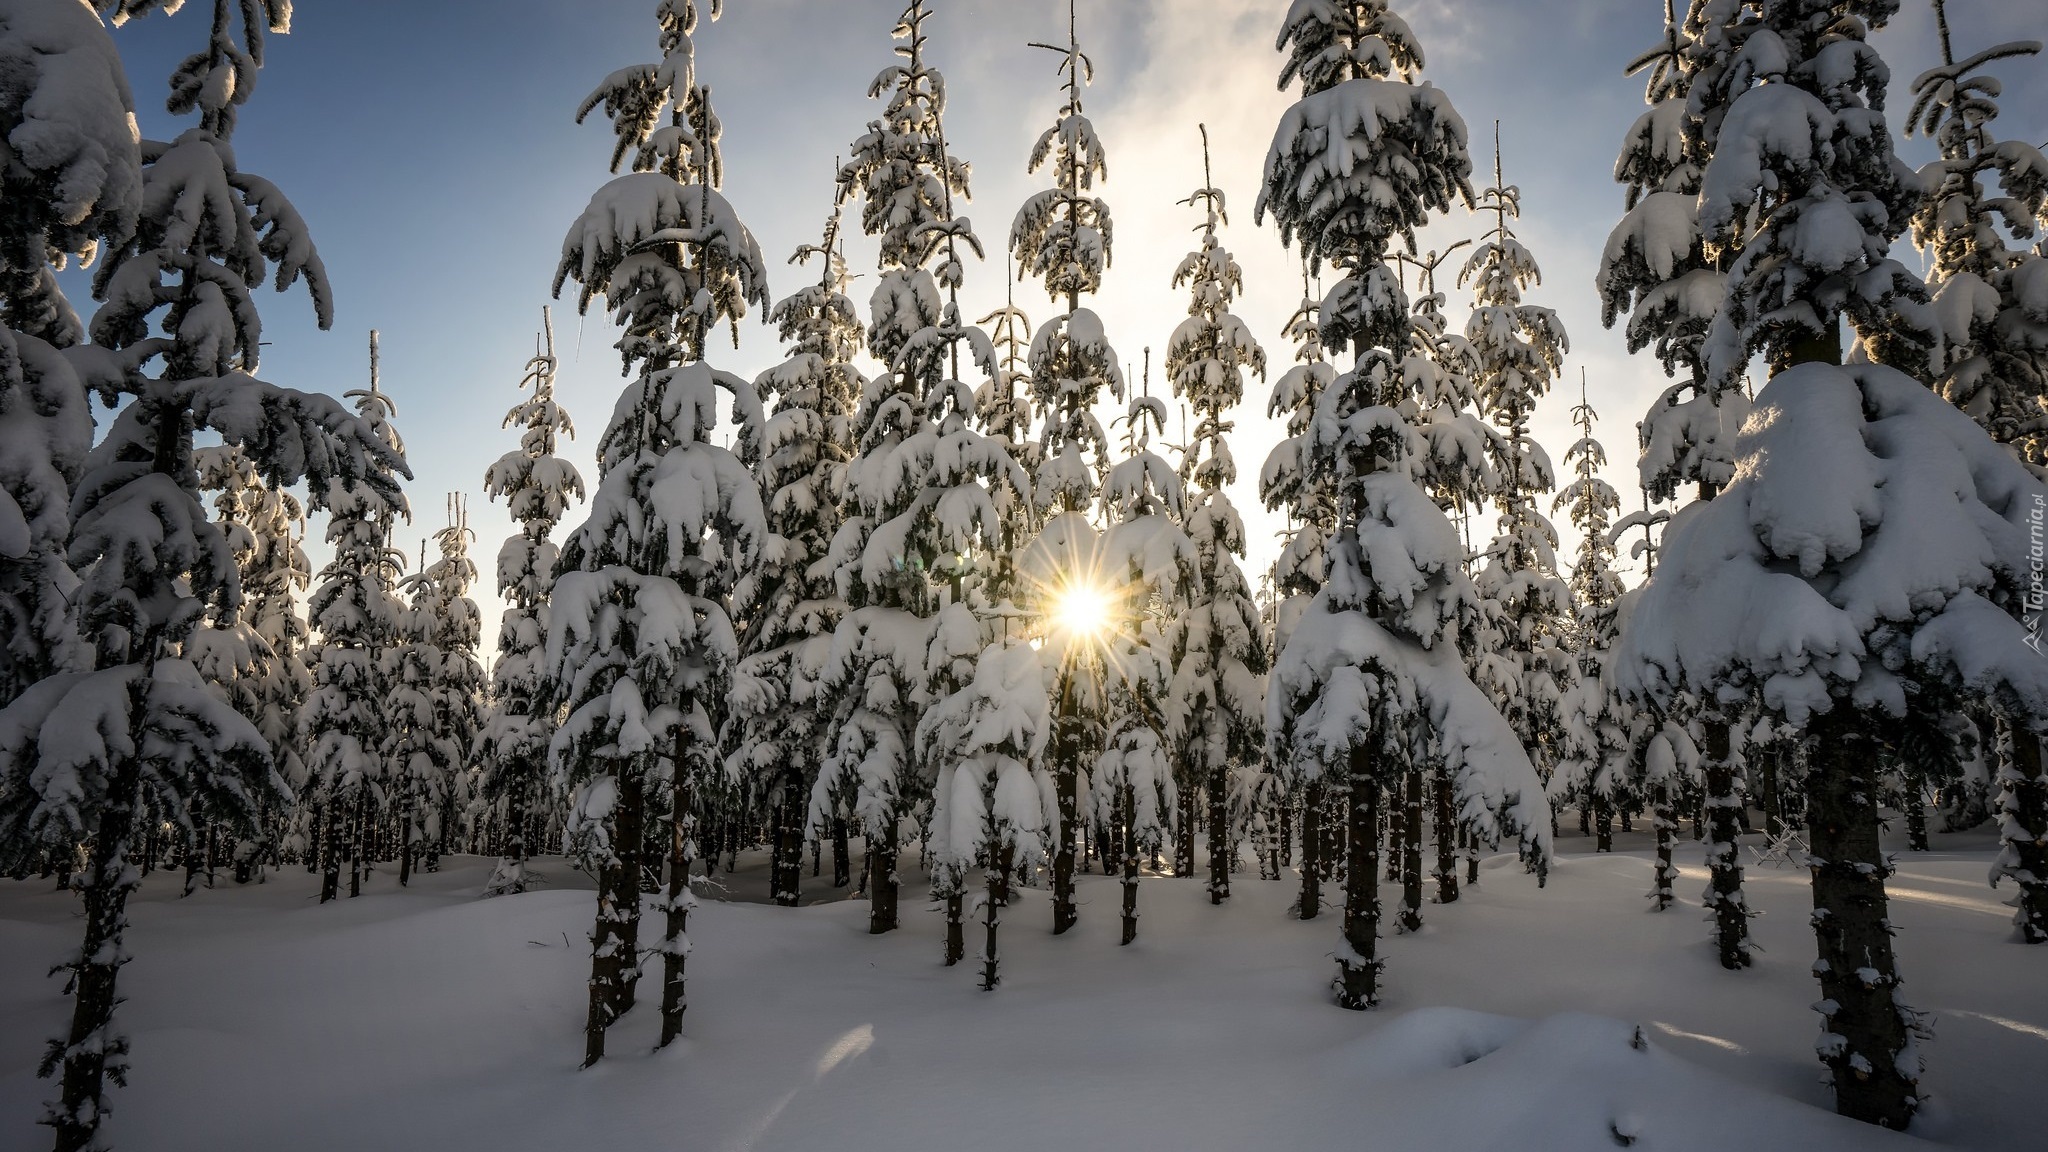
point(842, 864)
point(1286, 847)
point(1724, 895)
point(1603, 823)
point(1446, 838)
point(328, 849)
point(1865, 1032)
point(786, 866)
point(682, 851)
point(515, 836)
point(405, 847)
point(1358, 965)
point(93, 1051)
point(1127, 805)
point(1003, 859)
point(882, 875)
point(1411, 852)
point(1216, 787)
point(1392, 820)
point(358, 842)
point(1664, 820)
point(1769, 766)
point(1471, 844)
point(1311, 901)
point(615, 940)
point(1066, 785)
point(956, 928)
point(1184, 834)
point(2024, 803)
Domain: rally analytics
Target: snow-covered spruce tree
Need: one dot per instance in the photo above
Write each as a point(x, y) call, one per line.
point(1991, 301)
point(357, 613)
point(265, 527)
point(1287, 482)
point(1457, 469)
point(1660, 266)
point(1003, 410)
point(1216, 702)
point(1517, 349)
point(987, 742)
point(639, 639)
point(539, 488)
point(789, 601)
point(1858, 568)
point(419, 758)
point(1593, 745)
point(1372, 668)
point(68, 97)
point(1148, 565)
point(1062, 236)
point(83, 755)
point(919, 487)
point(1990, 298)
point(442, 695)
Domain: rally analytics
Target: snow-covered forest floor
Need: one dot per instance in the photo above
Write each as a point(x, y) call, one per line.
point(431, 1019)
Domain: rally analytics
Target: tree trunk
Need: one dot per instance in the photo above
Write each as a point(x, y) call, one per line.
point(93, 1050)
point(1864, 1040)
point(328, 848)
point(405, 846)
point(358, 841)
point(615, 939)
point(1446, 838)
point(1127, 806)
point(786, 868)
point(1311, 901)
point(842, 865)
point(675, 943)
point(1603, 822)
point(2023, 805)
point(1664, 820)
point(956, 928)
point(1066, 784)
point(1396, 832)
point(1216, 785)
point(515, 838)
point(1770, 764)
point(1358, 965)
point(1184, 834)
point(1001, 861)
point(882, 875)
point(1724, 897)
point(1411, 853)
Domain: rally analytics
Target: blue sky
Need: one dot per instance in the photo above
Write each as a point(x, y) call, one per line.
point(430, 145)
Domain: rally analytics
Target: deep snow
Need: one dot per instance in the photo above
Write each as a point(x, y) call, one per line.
point(429, 1019)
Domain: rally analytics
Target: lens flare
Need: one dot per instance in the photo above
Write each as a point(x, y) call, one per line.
point(1082, 612)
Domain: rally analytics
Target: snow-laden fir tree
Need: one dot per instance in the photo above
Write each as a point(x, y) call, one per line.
point(1990, 297)
point(1457, 468)
point(789, 600)
point(920, 485)
point(1517, 349)
point(438, 694)
point(1286, 483)
point(1991, 301)
point(640, 642)
point(1062, 236)
point(85, 756)
point(265, 527)
point(987, 742)
point(1147, 565)
point(1857, 572)
point(539, 488)
point(1660, 266)
point(81, 180)
point(1372, 670)
point(1593, 737)
point(1216, 702)
point(357, 613)
point(1003, 410)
